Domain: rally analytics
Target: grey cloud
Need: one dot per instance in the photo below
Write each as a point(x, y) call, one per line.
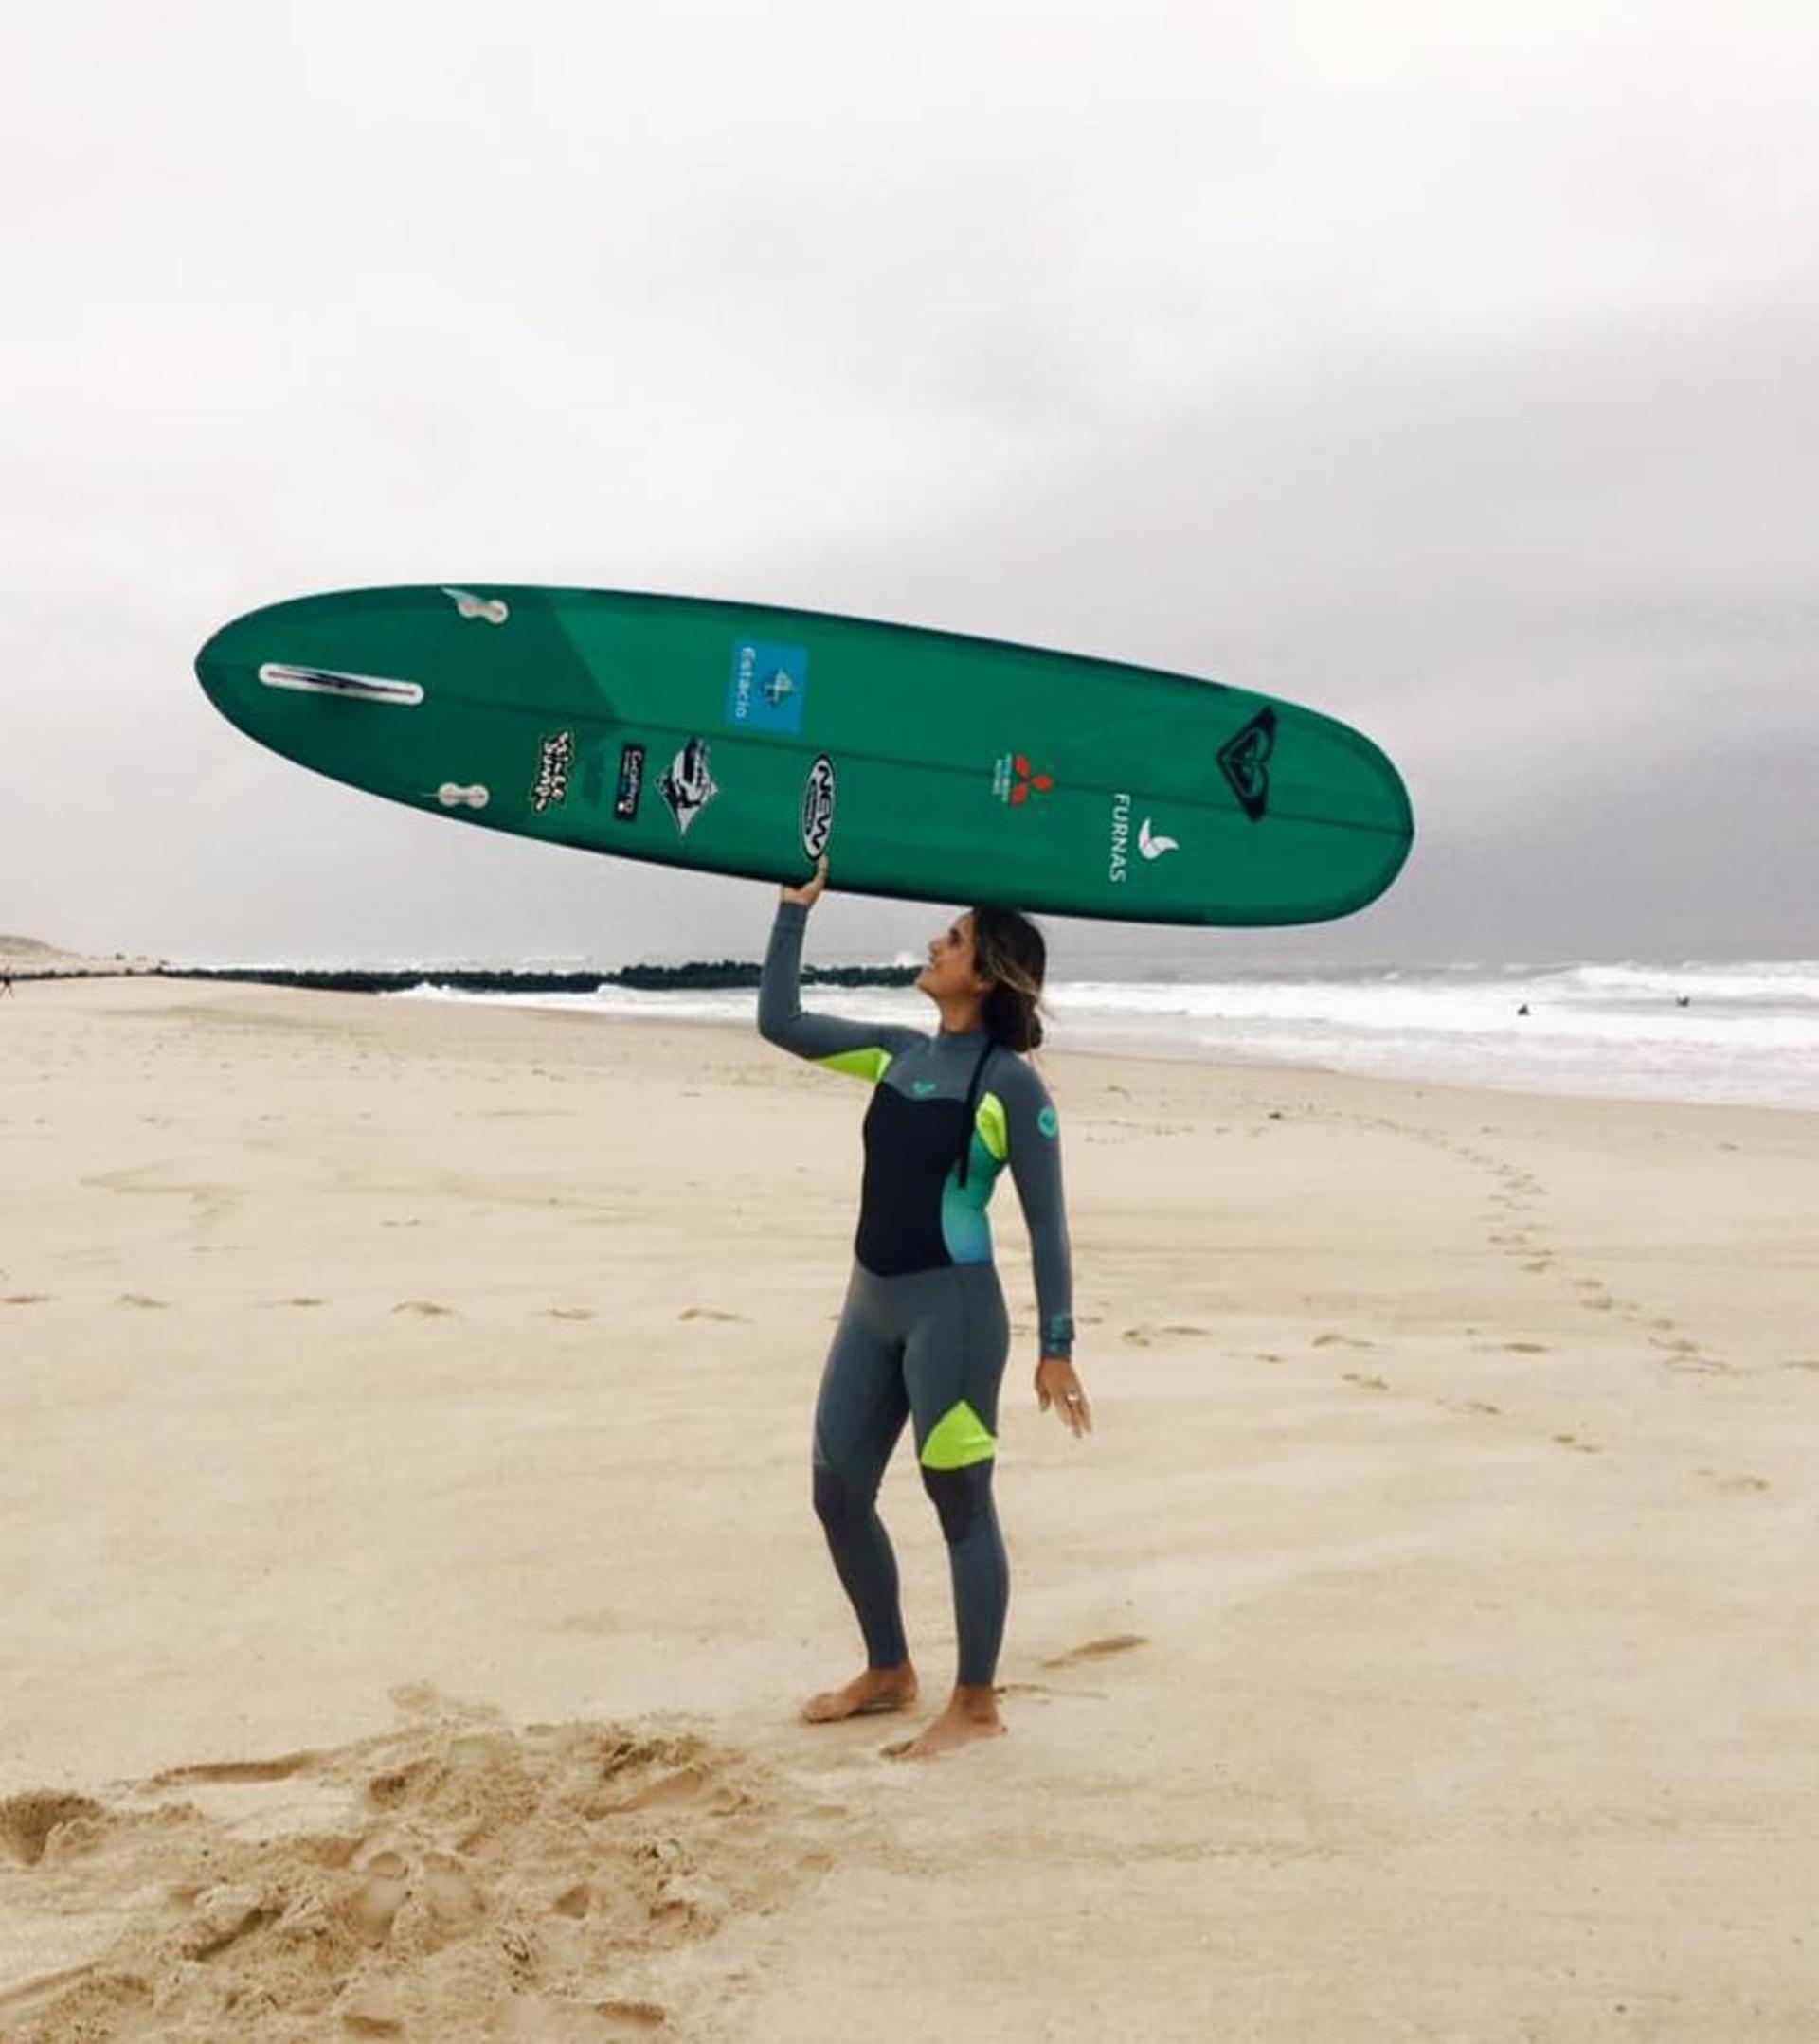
point(1452, 373)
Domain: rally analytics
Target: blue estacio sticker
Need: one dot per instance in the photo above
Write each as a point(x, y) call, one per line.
point(768, 687)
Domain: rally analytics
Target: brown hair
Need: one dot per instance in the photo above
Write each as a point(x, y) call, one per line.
point(1009, 950)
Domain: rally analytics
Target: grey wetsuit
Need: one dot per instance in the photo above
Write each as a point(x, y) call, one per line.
point(924, 1334)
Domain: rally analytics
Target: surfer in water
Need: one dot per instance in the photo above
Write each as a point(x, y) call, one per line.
point(924, 1335)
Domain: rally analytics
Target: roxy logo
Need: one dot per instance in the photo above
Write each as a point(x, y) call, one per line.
point(552, 773)
point(1244, 760)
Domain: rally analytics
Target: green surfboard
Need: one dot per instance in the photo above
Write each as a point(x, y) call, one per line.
point(735, 738)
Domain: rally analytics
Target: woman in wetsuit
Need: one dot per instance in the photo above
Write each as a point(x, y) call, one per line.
point(925, 1333)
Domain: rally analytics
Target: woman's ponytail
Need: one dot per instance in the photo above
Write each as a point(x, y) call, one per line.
point(1009, 950)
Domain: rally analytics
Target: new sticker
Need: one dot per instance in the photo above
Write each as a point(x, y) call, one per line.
point(818, 808)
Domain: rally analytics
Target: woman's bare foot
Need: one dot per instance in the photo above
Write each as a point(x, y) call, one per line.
point(871, 1695)
point(971, 1713)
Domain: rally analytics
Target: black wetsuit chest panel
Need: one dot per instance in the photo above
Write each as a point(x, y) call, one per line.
point(910, 1146)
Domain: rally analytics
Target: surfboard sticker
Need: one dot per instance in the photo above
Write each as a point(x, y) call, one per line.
point(768, 687)
point(552, 785)
point(688, 787)
point(631, 783)
point(818, 807)
point(1015, 779)
point(1244, 759)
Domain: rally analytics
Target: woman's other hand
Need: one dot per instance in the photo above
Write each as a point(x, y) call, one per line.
point(1057, 1386)
point(806, 897)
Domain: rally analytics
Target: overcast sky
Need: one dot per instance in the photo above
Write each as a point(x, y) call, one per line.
point(1452, 370)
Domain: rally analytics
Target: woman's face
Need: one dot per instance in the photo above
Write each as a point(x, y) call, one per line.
point(950, 972)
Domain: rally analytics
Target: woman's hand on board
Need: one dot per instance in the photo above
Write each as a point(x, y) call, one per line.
point(1056, 1384)
point(806, 897)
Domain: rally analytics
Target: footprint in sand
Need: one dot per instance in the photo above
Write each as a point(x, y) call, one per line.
point(1734, 1486)
point(1047, 1689)
point(1364, 1383)
point(1527, 1348)
point(424, 1700)
point(278, 1769)
point(1579, 1447)
point(569, 1313)
point(27, 1298)
point(425, 1309)
point(631, 2018)
point(28, 1820)
point(1540, 1263)
point(141, 1301)
point(1350, 1342)
point(1116, 1643)
point(708, 1313)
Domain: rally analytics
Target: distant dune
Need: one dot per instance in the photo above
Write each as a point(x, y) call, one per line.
point(24, 957)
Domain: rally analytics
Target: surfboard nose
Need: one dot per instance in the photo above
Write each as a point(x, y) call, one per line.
point(226, 663)
point(277, 677)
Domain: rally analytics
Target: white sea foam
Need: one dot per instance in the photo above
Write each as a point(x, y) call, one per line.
point(1747, 1034)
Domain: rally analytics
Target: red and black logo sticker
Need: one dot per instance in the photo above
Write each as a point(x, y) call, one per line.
point(1015, 779)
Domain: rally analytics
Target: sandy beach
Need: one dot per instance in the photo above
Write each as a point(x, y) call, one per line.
point(409, 1578)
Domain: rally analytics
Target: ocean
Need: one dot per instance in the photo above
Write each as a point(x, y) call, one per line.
point(1740, 1034)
